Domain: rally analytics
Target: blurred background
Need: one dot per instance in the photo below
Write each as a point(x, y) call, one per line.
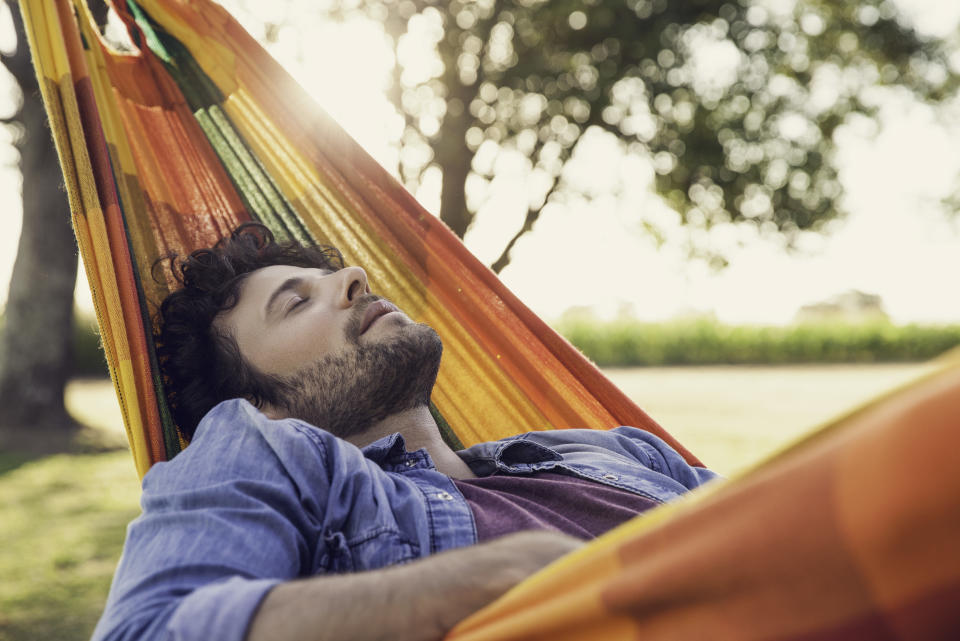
point(745, 212)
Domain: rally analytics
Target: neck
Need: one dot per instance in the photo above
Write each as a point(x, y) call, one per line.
point(419, 431)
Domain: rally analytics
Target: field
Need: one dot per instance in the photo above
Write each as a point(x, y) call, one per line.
point(62, 518)
point(731, 416)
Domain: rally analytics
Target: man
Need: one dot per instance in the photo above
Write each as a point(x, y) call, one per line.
point(317, 499)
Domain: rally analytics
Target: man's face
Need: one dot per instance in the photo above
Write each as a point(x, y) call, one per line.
point(342, 357)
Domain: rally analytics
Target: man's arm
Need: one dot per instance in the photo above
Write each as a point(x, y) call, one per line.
point(420, 601)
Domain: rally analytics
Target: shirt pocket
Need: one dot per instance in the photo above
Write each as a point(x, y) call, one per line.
point(369, 550)
point(381, 548)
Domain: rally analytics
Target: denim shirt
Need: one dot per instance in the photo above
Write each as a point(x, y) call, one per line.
point(254, 502)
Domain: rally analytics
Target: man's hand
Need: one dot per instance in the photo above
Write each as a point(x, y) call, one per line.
point(420, 601)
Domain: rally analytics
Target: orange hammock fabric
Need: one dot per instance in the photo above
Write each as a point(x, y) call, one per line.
point(851, 534)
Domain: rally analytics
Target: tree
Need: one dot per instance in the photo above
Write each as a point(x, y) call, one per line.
point(735, 103)
point(36, 342)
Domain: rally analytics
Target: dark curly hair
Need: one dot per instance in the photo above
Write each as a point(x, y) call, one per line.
point(200, 364)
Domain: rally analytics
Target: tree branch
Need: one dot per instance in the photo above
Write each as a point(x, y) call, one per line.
point(531, 218)
point(483, 29)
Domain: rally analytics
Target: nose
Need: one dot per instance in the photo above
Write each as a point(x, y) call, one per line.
point(353, 285)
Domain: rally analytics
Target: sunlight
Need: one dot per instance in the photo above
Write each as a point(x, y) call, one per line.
point(895, 175)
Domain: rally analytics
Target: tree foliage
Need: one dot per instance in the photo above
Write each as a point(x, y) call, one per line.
point(736, 103)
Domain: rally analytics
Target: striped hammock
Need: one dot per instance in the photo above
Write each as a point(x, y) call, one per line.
point(168, 148)
point(849, 534)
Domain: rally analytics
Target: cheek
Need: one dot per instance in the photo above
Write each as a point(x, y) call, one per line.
point(294, 346)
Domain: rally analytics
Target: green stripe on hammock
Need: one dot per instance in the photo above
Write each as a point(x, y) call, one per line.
point(255, 186)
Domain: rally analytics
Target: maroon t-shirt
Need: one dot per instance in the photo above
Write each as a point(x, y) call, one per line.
point(548, 501)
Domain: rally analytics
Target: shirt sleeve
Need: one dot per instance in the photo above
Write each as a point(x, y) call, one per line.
point(222, 524)
point(654, 452)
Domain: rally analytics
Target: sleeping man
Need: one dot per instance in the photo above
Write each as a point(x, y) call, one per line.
point(317, 499)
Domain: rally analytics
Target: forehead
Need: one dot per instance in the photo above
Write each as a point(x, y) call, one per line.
point(256, 289)
point(259, 284)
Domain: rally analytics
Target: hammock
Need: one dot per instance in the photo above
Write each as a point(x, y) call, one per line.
point(169, 147)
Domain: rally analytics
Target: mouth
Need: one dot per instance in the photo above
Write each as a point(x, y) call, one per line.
point(375, 310)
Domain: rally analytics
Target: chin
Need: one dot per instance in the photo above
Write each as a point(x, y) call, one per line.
point(347, 392)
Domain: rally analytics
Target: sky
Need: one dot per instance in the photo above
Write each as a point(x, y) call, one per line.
point(897, 240)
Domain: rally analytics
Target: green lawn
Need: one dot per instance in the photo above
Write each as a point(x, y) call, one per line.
point(62, 518)
point(62, 522)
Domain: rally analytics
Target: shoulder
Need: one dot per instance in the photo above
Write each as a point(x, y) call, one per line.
point(235, 441)
point(629, 443)
point(619, 440)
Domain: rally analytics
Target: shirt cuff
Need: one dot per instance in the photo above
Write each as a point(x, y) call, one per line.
point(221, 611)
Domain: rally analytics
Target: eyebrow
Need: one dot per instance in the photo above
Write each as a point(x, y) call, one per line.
point(285, 286)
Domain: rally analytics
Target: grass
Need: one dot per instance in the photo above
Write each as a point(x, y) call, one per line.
point(63, 517)
point(732, 416)
point(63, 523)
point(62, 526)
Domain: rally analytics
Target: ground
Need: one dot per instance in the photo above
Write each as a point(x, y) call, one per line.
point(732, 416)
point(63, 516)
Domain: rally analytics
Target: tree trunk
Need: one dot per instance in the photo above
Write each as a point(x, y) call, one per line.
point(37, 340)
point(454, 159)
point(450, 148)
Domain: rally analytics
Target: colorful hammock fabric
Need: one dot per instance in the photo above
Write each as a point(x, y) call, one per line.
point(849, 535)
point(167, 148)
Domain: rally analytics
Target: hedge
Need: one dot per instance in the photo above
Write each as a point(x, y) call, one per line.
point(708, 342)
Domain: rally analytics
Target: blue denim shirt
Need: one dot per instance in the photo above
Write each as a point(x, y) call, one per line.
point(254, 502)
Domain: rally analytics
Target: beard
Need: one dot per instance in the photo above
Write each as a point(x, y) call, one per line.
point(347, 392)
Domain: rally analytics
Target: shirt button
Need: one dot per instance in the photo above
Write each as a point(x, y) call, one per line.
point(611, 477)
point(410, 462)
point(445, 496)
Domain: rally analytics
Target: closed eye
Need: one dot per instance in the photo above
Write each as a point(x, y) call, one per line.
point(297, 302)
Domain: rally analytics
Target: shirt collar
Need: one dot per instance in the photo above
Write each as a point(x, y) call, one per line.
point(391, 455)
point(514, 454)
point(385, 450)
